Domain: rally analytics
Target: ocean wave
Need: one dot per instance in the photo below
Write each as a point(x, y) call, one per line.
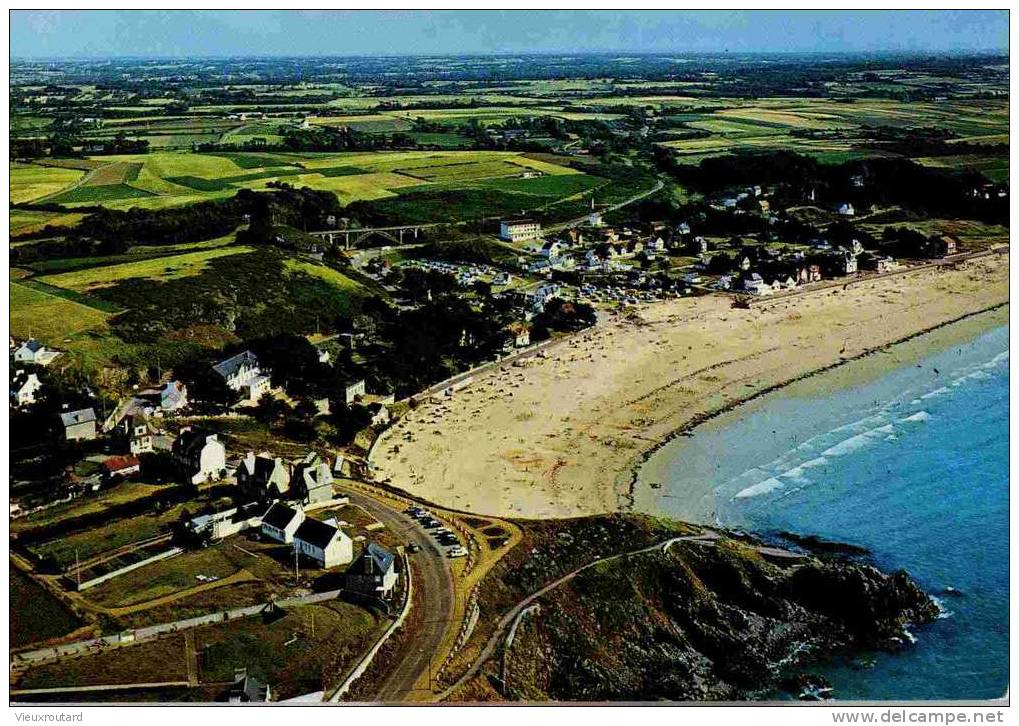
point(768, 485)
point(943, 612)
point(855, 443)
point(918, 417)
point(936, 392)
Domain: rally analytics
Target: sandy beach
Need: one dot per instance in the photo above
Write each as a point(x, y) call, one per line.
point(559, 436)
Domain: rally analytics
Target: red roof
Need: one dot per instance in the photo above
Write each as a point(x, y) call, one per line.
point(120, 463)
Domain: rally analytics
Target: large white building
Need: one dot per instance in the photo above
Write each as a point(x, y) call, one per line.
point(518, 230)
point(242, 373)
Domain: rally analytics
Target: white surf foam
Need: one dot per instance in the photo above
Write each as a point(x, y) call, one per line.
point(768, 485)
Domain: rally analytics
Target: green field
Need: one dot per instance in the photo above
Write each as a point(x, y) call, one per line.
point(25, 221)
point(161, 179)
point(134, 254)
point(826, 129)
point(158, 269)
point(35, 614)
point(49, 318)
point(30, 182)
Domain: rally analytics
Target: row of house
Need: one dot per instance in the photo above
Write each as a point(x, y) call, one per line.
point(325, 543)
point(266, 478)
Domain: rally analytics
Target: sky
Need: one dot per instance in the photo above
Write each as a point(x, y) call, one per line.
point(220, 33)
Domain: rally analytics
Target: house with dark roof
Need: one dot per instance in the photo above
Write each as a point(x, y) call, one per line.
point(243, 374)
point(200, 456)
point(263, 477)
point(138, 432)
point(79, 425)
point(280, 522)
point(327, 545)
point(312, 481)
point(374, 572)
point(248, 689)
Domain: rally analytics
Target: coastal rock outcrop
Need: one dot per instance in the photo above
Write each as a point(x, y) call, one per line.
point(716, 619)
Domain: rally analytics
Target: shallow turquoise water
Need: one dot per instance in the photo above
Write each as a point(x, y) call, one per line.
point(914, 467)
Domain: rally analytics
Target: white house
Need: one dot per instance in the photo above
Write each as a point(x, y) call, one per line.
point(323, 543)
point(353, 389)
point(280, 522)
point(242, 373)
point(79, 425)
point(32, 351)
point(312, 480)
point(755, 284)
point(24, 386)
point(655, 245)
point(380, 414)
point(173, 397)
point(544, 293)
point(846, 210)
point(552, 250)
point(139, 434)
point(200, 455)
point(263, 477)
point(518, 230)
point(374, 573)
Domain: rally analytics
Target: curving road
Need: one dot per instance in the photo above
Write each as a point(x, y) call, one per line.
point(434, 599)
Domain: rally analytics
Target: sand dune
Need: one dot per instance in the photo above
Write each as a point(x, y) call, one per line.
point(558, 436)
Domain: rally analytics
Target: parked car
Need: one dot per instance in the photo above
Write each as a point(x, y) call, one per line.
point(431, 524)
point(412, 548)
point(457, 551)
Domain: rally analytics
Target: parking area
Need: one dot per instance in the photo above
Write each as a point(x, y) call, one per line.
point(445, 539)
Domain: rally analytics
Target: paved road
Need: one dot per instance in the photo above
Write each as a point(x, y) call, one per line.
point(433, 585)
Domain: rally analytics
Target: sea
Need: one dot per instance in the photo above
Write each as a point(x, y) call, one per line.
point(911, 464)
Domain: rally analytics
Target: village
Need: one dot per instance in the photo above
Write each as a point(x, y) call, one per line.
point(215, 444)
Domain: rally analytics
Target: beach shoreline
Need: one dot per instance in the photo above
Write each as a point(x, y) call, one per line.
point(983, 320)
point(565, 435)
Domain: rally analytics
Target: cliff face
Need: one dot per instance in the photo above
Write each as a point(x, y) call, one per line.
point(702, 622)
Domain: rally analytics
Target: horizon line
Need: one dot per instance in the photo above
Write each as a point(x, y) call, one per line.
point(621, 52)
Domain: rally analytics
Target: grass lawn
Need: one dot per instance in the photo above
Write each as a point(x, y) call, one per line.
point(35, 614)
point(309, 649)
point(180, 573)
point(110, 537)
point(121, 494)
point(50, 318)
